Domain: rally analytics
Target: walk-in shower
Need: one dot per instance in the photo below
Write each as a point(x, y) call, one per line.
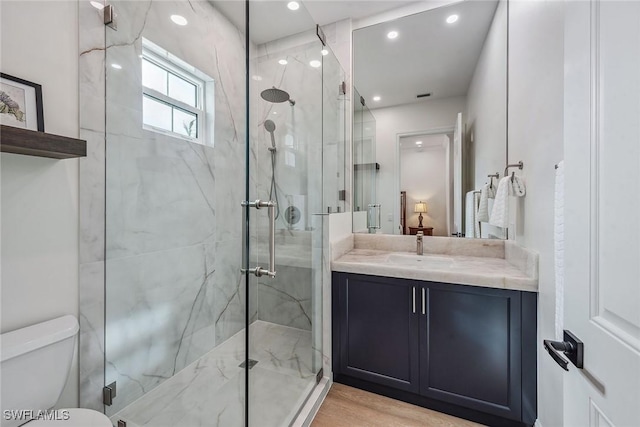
point(171, 321)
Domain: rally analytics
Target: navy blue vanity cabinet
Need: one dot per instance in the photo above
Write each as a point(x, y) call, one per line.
point(466, 348)
point(377, 331)
point(468, 351)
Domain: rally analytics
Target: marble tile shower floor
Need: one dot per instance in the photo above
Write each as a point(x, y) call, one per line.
point(210, 391)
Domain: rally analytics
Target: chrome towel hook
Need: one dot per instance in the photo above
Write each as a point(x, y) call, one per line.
point(518, 165)
point(496, 176)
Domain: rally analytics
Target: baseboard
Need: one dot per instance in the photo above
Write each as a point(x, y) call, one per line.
point(311, 407)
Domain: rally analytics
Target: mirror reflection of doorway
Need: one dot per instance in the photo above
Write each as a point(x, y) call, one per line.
point(426, 176)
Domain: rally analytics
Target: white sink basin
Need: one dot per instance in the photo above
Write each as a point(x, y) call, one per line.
point(420, 261)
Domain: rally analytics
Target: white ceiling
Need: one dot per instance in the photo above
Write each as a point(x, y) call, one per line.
point(269, 20)
point(272, 20)
point(428, 56)
point(328, 11)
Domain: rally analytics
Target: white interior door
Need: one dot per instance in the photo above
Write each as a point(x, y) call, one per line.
point(602, 210)
point(457, 175)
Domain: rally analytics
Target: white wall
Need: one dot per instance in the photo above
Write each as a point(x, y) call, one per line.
point(423, 177)
point(407, 118)
point(40, 196)
point(536, 71)
point(487, 103)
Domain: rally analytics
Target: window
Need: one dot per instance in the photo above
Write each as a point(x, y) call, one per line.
point(173, 94)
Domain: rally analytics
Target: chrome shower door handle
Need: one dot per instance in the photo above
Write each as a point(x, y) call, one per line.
point(272, 238)
point(271, 209)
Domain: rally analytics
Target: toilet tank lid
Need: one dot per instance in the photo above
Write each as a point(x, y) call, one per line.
point(24, 340)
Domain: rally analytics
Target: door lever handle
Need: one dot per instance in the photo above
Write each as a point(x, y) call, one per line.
point(571, 347)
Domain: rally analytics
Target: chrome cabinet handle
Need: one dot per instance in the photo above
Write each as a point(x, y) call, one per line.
point(424, 305)
point(414, 299)
point(271, 208)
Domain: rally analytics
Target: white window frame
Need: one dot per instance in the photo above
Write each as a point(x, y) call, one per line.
point(154, 54)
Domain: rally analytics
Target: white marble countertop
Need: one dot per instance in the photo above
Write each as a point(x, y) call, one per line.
point(447, 268)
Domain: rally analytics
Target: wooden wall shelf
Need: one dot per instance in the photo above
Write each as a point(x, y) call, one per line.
point(32, 143)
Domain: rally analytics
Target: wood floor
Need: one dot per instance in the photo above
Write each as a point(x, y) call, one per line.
point(350, 407)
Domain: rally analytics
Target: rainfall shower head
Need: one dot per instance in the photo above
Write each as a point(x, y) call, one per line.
point(270, 127)
point(276, 96)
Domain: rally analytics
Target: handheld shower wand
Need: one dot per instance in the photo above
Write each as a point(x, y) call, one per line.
point(270, 127)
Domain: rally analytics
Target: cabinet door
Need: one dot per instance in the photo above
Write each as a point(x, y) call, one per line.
point(470, 341)
point(378, 330)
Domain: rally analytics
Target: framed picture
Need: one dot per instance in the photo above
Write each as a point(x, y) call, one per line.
point(20, 103)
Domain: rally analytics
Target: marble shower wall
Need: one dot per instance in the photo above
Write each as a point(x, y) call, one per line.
point(173, 216)
point(287, 299)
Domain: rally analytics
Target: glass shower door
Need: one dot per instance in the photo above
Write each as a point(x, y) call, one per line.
point(285, 166)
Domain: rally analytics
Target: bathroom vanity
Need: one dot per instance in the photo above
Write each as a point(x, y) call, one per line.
point(447, 331)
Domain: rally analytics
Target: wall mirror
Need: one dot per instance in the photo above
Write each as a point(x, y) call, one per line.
point(430, 120)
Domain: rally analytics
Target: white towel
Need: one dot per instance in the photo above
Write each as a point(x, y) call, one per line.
point(500, 212)
point(476, 223)
point(471, 206)
point(486, 193)
point(558, 243)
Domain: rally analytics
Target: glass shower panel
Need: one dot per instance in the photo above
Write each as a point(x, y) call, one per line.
point(366, 211)
point(285, 339)
point(175, 162)
point(334, 115)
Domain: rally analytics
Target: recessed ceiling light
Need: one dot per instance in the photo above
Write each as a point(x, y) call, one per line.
point(418, 142)
point(117, 66)
point(283, 62)
point(392, 34)
point(275, 112)
point(293, 5)
point(257, 78)
point(179, 20)
point(376, 98)
point(97, 5)
point(324, 52)
point(451, 19)
point(315, 63)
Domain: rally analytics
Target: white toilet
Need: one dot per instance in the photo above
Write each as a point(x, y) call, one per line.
point(35, 365)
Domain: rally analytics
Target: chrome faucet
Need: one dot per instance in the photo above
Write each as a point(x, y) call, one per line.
point(419, 242)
